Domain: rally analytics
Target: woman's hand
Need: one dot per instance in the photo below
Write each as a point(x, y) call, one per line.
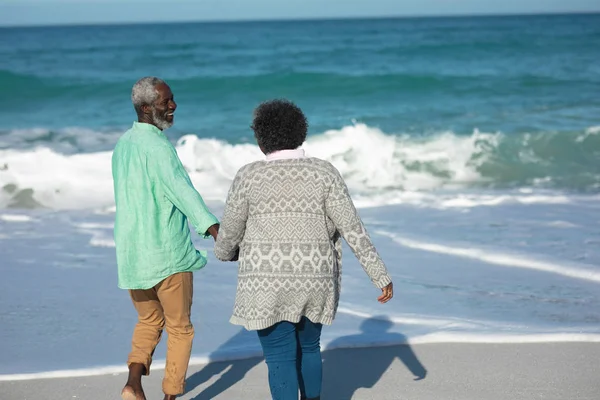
point(387, 293)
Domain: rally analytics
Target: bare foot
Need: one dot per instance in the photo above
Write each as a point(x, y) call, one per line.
point(133, 388)
point(170, 397)
point(129, 393)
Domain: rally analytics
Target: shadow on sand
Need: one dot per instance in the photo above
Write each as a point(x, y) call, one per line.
point(345, 370)
point(236, 369)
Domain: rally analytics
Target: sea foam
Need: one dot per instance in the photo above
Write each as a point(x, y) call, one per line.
point(443, 170)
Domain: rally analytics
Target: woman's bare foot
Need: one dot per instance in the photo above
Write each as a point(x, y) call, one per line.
point(133, 388)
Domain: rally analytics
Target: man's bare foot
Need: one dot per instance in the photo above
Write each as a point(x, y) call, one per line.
point(133, 388)
point(170, 397)
point(128, 393)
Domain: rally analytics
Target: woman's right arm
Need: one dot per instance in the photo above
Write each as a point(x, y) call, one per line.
point(233, 223)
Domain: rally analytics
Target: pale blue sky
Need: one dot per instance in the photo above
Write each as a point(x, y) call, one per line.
point(36, 12)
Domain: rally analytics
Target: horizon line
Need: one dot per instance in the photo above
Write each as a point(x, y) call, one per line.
point(301, 19)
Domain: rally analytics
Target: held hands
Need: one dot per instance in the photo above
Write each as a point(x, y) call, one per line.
point(386, 293)
point(213, 231)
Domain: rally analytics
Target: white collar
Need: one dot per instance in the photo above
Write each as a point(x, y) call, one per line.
point(286, 154)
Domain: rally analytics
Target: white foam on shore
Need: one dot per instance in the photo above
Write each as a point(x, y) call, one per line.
point(433, 338)
point(461, 337)
point(469, 201)
point(102, 241)
point(471, 338)
point(562, 224)
point(71, 373)
point(461, 200)
point(122, 369)
point(15, 218)
point(91, 225)
point(507, 260)
point(412, 320)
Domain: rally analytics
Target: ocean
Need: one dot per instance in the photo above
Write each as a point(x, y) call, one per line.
point(471, 146)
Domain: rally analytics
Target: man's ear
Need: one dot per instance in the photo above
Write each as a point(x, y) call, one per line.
point(146, 109)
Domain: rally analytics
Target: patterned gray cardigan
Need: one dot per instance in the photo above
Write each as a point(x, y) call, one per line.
point(286, 217)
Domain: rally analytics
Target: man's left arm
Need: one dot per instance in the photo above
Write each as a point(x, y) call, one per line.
point(179, 190)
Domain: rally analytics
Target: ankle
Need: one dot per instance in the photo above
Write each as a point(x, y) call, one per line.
point(134, 380)
point(137, 370)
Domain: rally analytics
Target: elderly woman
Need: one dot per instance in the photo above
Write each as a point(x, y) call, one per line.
point(283, 219)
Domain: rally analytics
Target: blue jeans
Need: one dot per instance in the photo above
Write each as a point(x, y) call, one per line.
point(293, 356)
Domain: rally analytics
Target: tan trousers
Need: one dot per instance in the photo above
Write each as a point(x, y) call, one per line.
point(168, 302)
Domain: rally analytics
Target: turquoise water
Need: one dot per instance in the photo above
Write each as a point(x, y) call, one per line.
point(513, 74)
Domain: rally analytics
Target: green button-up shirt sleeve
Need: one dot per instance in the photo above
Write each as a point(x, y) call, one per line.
point(174, 180)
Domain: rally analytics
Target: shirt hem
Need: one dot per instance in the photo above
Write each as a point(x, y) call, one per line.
point(149, 284)
point(259, 324)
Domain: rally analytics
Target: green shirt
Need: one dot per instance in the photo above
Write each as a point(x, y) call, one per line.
point(154, 198)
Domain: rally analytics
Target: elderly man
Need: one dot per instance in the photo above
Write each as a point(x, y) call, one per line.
point(155, 255)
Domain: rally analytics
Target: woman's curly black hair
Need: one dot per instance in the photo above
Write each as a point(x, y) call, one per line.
point(279, 125)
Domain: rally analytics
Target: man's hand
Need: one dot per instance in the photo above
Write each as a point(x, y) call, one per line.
point(387, 293)
point(213, 231)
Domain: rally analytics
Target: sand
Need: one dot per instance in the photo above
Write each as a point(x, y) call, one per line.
point(558, 371)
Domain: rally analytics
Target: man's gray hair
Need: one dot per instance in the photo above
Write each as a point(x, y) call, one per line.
point(144, 92)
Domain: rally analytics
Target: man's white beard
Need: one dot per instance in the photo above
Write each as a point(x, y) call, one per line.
point(159, 121)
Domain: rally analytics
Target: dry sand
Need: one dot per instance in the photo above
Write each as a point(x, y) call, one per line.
point(549, 371)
